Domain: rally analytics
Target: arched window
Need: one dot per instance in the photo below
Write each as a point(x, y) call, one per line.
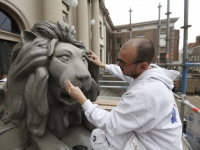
point(7, 23)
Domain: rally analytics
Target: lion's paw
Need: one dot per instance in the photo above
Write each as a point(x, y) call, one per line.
point(48, 141)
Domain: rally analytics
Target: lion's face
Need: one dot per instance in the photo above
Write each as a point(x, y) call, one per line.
point(68, 62)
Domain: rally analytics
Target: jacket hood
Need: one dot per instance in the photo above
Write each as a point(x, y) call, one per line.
point(161, 74)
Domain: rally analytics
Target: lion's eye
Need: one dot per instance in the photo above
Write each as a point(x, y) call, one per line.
point(65, 58)
point(43, 46)
point(84, 59)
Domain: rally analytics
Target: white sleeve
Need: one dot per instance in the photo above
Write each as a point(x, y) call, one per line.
point(117, 121)
point(115, 70)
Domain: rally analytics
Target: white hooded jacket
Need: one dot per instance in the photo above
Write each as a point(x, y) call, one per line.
point(147, 107)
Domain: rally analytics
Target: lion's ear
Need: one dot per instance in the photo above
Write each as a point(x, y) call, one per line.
point(51, 47)
point(27, 36)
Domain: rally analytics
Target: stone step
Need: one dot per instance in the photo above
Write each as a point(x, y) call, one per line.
point(107, 104)
point(108, 108)
point(112, 92)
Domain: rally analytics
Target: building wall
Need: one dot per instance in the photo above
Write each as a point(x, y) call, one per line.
point(32, 9)
point(27, 13)
point(176, 45)
point(194, 57)
point(148, 30)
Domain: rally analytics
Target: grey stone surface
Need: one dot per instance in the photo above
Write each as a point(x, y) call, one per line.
point(34, 98)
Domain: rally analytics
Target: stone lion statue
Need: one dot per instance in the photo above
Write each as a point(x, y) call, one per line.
point(34, 98)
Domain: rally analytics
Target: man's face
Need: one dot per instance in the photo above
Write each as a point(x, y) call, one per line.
point(126, 62)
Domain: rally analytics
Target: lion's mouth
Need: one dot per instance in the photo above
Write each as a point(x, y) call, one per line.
point(66, 99)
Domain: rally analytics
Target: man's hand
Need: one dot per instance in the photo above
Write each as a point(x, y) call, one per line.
point(75, 92)
point(95, 59)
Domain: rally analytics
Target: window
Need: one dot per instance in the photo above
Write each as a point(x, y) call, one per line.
point(109, 58)
point(100, 28)
point(140, 27)
point(127, 38)
point(5, 53)
point(162, 57)
point(7, 23)
point(195, 58)
point(198, 58)
point(119, 43)
point(65, 17)
point(162, 39)
point(140, 36)
point(101, 54)
point(190, 58)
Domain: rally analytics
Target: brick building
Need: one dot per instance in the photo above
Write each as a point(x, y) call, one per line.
point(193, 79)
point(121, 34)
point(194, 56)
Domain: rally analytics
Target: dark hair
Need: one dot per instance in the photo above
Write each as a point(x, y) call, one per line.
point(145, 50)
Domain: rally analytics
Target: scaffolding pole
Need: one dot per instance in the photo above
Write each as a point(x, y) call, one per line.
point(130, 26)
point(185, 60)
point(177, 64)
point(159, 25)
point(184, 64)
point(167, 34)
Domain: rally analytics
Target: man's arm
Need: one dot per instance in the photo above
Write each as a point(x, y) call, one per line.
point(117, 121)
point(95, 59)
point(113, 69)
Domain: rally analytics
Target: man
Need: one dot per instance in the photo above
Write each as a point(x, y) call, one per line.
point(147, 110)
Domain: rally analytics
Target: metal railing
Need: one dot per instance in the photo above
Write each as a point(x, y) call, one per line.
point(112, 86)
point(187, 103)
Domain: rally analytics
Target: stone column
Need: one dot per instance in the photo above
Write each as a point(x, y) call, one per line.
point(52, 10)
point(95, 28)
point(104, 38)
point(82, 22)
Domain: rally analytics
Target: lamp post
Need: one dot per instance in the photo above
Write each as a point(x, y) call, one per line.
point(130, 26)
point(92, 21)
point(74, 3)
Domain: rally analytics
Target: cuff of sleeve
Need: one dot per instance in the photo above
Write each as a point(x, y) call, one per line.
point(106, 67)
point(88, 106)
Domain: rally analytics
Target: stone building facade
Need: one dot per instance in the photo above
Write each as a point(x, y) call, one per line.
point(19, 15)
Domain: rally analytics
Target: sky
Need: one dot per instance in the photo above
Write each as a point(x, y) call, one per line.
point(147, 10)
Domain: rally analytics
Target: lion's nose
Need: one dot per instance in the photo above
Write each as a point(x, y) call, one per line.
point(84, 77)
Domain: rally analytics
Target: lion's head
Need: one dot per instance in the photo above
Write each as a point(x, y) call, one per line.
point(46, 57)
point(69, 62)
